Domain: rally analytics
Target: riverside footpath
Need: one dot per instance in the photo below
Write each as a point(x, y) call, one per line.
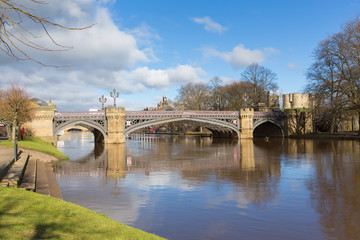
point(32, 171)
point(6, 159)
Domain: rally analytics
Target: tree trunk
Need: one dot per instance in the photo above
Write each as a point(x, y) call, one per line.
point(359, 124)
point(333, 122)
point(13, 133)
point(9, 132)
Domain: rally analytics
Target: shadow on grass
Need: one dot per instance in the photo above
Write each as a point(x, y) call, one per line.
point(47, 231)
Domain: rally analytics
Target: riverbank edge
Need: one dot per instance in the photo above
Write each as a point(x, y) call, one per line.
point(327, 136)
point(36, 144)
point(41, 217)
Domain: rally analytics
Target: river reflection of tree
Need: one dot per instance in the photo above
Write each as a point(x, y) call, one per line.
point(335, 188)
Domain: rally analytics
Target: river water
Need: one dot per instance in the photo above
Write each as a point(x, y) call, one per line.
point(201, 188)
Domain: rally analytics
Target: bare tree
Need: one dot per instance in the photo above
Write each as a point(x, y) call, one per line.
point(236, 95)
point(348, 51)
point(15, 108)
point(194, 96)
point(325, 83)
point(217, 100)
point(15, 33)
point(336, 71)
point(296, 121)
point(262, 79)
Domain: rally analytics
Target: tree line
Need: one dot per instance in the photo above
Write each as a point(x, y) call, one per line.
point(334, 77)
point(249, 91)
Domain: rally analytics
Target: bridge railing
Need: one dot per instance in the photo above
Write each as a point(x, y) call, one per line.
point(69, 114)
point(181, 113)
point(79, 114)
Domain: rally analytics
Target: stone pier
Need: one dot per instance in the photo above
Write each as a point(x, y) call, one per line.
point(246, 123)
point(115, 125)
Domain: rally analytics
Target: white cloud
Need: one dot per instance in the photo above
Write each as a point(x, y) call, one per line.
point(210, 25)
point(143, 77)
point(103, 57)
point(144, 34)
point(240, 56)
point(73, 89)
point(104, 44)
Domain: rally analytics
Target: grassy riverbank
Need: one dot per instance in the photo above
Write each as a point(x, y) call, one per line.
point(28, 215)
point(33, 143)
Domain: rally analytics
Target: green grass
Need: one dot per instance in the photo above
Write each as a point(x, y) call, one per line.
point(28, 215)
point(37, 144)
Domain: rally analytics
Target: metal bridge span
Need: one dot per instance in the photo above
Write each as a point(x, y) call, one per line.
point(221, 123)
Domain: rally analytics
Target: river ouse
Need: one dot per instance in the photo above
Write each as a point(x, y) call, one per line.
point(183, 187)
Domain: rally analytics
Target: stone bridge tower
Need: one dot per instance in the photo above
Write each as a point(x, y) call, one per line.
point(115, 125)
point(246, 122)
point(41, 124)
point(298, 114)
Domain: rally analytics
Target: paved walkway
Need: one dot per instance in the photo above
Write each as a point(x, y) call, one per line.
point(6, 156)
point(44, 177)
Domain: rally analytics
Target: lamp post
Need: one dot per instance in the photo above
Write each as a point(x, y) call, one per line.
point(114, 95)
point(15, 134)
point(103, 100)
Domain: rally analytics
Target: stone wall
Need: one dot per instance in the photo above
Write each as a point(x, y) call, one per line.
point(41, 124)
point(298, 100)
point(350, 122)
point(297, 121)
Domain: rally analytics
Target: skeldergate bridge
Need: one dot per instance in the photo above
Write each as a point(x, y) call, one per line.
point(114, 124)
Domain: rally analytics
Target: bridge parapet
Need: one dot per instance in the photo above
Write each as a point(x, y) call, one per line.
point(181, 113)
point(83, 114)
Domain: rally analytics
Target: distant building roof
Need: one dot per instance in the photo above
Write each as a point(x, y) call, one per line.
point(40, 102)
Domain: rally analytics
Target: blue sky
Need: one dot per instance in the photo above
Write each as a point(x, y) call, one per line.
point(147, 49)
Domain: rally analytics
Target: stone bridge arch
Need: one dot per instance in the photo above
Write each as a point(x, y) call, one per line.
point(94, 121)
point(267, 128)
point(98, 131)
point(268, 124)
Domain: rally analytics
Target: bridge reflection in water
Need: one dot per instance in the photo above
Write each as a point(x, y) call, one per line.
point(243, 163)
point(114, 160)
